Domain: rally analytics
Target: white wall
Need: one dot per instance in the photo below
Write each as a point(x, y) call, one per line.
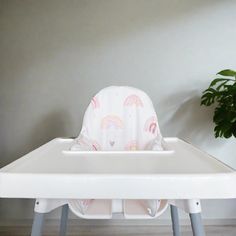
point(54, 55)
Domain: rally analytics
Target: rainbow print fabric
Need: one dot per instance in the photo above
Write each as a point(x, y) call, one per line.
point(119, 118)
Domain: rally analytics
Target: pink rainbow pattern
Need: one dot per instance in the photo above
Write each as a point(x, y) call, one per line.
point(85, 203)
point(131, 146)
point(112, 121)
point(133, 100)
point(92, 145)
point(151, 125)
point(96, 146)
point(95, 103)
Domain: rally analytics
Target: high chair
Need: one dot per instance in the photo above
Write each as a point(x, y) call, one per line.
point(118, 119)
point(118, 166)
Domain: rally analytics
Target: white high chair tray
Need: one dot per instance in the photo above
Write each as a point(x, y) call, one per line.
point(181, 172)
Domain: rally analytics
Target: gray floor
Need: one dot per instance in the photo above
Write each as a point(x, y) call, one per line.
point(85, 230)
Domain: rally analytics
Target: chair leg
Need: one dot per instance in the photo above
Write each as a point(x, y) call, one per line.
point(64, 218)
point(175, 220)
point(196, 223)
point(37, 226)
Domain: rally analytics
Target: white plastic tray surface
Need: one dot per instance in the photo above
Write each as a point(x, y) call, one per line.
point(179, 172)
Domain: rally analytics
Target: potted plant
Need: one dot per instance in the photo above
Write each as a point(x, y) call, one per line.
point(222, 93)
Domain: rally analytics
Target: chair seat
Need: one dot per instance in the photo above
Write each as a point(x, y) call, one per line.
point(102, 209)
point(134, 209)
point(98, 209)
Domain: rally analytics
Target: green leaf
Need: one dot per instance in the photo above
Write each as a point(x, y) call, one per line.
point(210, 90)
point(219, 115)
point(209, 96)
point(221, 85)
point(227, 72)
point(222, 93)
point(224, 128)
point(215, 81)
point(205, 102)
point(234, 130)
point(227, 134)
point(218, 132)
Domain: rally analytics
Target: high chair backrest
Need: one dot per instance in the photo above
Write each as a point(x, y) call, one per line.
point(117, 119)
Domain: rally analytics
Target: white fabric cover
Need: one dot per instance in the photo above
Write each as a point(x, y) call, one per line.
point(118, 119)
